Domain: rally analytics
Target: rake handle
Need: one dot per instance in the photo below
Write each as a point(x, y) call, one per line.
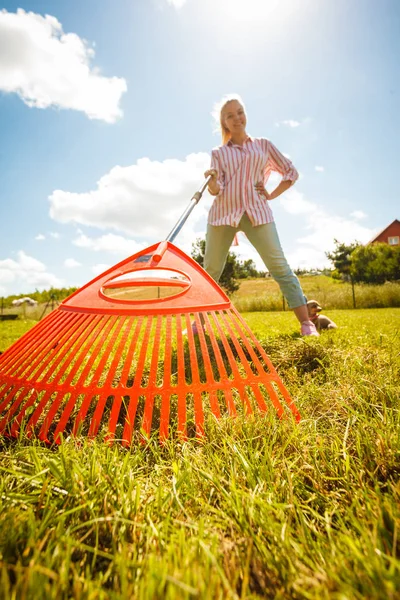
point(158, 254)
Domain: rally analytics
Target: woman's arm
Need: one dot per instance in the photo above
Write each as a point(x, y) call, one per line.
point(277, 162)
point(217, 182)
point(213, 185)
point(282, 187)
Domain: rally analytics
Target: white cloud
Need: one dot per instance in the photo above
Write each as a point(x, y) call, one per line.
point(100, 268)
point(294, 203)
point(319, 169)
point(71, 263)
point(55, 235)
point(289, 123)
point(47, 67)
point(144, 200)
point(273, 180)
point(25, 274)
point(40, 237)
point(322, 227)
point(176, 3)
point(358, 214)
point(325, 227)
point(110, 242)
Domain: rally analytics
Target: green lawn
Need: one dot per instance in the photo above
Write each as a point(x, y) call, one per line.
point(261, 509)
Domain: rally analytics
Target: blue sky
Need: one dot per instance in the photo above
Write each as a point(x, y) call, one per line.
point(106, 126)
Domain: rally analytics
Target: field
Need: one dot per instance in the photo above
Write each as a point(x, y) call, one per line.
point(264, 294)
point(260, 509)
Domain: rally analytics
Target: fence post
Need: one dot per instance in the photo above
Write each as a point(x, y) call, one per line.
point(354, 293)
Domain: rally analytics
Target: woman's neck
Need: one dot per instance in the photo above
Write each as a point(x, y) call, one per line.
point(239, 139)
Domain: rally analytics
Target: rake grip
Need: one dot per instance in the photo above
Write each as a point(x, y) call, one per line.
point(159, 253)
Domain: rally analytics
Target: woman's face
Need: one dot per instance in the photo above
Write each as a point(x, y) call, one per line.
point(234, 117)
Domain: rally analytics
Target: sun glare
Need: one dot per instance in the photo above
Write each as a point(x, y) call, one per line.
point(250, 11)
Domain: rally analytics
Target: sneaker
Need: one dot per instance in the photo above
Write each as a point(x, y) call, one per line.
point(194, 329)
point(308, 328)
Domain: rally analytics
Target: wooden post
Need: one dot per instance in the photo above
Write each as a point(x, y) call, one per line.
point(353, 292)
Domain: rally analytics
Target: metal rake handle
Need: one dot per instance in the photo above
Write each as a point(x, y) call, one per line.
point(157, 256)
point(195, 200)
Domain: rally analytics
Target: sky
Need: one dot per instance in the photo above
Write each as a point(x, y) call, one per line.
point(106, 125)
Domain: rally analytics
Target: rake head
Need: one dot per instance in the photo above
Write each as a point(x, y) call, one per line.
point(121, 356)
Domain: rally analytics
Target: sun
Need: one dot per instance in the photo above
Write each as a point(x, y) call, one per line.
point(255, 11)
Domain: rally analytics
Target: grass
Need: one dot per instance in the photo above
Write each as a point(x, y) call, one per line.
point(10, 331)
point(264, 294)
point(260, 509)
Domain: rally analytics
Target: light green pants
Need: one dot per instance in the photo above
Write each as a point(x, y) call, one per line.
point(265, 240)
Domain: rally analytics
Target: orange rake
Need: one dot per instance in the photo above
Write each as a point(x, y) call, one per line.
point(121, 355)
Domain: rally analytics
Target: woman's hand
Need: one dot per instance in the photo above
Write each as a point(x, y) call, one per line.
point(213, 173)
point(213, 185)
point(261, 190)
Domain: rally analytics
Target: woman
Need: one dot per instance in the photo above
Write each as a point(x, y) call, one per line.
point(239, 171)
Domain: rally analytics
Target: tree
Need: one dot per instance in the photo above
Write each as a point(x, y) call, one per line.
point(341, 258)
point(375, 263)
point(246, 269)
point(229, 274)
point(45, 296)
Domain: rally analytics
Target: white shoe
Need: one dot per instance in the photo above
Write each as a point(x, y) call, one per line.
point(308, 328)
point(195, 330)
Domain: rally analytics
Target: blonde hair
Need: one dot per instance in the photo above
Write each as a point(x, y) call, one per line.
point(217, 114)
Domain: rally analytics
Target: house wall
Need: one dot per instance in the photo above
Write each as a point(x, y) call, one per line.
point(392, 231)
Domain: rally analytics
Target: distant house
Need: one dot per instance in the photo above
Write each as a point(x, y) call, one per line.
point(390, 235)
point(20, 301)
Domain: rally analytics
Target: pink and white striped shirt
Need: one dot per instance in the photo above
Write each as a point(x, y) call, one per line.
point(239, 169)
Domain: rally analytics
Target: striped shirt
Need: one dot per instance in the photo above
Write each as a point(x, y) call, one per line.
point(239, 169)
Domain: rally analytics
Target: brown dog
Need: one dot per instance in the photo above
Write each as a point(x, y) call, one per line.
point(320, 321)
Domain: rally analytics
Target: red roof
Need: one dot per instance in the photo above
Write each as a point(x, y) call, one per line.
point(383, 230)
